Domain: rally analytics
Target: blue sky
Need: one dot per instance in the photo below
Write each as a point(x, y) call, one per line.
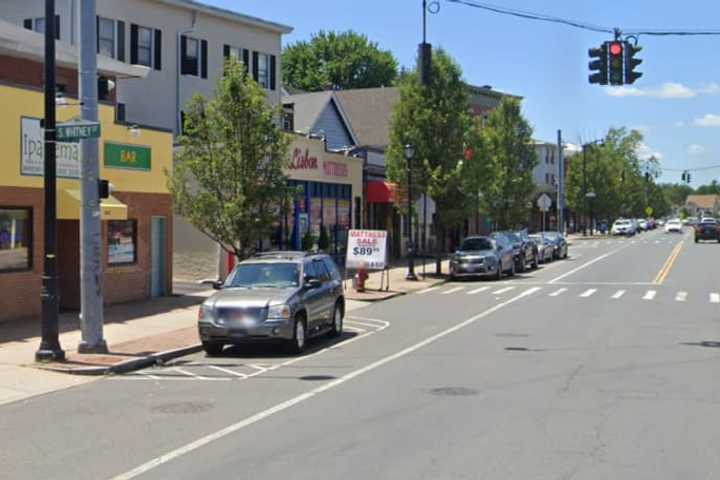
point(676, 103)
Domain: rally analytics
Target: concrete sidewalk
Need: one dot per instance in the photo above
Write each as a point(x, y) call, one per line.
point(378, 288)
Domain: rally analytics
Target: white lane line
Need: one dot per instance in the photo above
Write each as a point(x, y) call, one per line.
point(715, 298)
point(189, 374)
point(587, 264)
point(353, 329)
point(588, 293)
point(650, 294)
point(428, 290)
point(621, 241)
point(257, 367)
point(558, 292)
point(381, 323)
point(633, 242)
point(235, 427)
point(150, 377)
point(681, 296)
point(618, 294)
point(478, 290)
point(503, 290)
point(228, 371)
point(453, 290)
point(364, 324)
point(657, 242)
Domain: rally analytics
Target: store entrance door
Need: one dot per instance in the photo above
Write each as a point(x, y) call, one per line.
point(158, 257)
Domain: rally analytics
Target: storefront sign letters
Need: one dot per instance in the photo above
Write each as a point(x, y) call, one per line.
point(130, 157)
point(335, 169)
point(303, 161)
point(32, 145)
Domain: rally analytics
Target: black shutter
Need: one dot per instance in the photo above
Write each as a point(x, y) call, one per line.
point(57, 27)
point(273, 72)
point(158, 49)
point(97, 32)
point(204, 55)
point(226, 57)
point(255, 66)
point(121, 40)
point(246, 59)
point(27, 23)
point(183, 55)
point(133, 44)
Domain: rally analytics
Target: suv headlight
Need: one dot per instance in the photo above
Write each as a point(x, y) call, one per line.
point(279, 312)
point(205, 313)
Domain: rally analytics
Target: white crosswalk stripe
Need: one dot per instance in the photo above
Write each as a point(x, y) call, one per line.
point(478, 290)
point(618, 294)
point(503, 290)
point(428, 290)
point(453, 290)
point(588, 293)
point(681, 296)
point(715, 298)
point(558, 292)
point(650, 294)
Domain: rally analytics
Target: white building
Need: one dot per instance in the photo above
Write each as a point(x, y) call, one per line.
point(184, 42)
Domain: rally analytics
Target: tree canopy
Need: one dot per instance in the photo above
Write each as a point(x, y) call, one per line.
point(339, 61)
point(228, 180)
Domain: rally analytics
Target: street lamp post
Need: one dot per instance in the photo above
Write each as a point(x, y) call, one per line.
point(409, 155)
point(591, 196)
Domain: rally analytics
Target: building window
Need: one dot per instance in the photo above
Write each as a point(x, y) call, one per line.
point(106, 37)
point(15, 239)
point(38, 25)
point(144, 46)
point(263, 70)
point(122, 242)
point(191, 57)
point(547, 178)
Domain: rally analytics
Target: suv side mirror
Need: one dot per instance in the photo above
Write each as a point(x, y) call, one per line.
point(312, 283)
point(215, 284)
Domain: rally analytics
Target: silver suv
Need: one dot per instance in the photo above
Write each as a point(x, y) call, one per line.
point(276, 296)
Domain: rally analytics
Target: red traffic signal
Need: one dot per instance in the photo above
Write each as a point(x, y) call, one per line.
point(616, 49)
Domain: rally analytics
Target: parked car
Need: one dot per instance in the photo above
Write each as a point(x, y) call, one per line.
point(523, 252)
point(545, 247)
point(652, 224)
point(673, 226)
point(709, 230)
point(642, 225)
point(277, 296)
point(560, 245)
point(708, 220)
point(483, 256)
point(623, 227)
point(531, 246)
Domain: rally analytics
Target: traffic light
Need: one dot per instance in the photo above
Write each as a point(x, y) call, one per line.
point(631, 63)
point(599, 66)
point(103, 189)
point(617, 60)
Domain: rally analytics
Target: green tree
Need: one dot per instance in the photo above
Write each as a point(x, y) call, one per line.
point(507, 158)
point(677, 193)
point(435, 121)
point(228, 180)
point(713, 188)
point(339, 61)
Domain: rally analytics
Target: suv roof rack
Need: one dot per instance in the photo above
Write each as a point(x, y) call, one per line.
point(288, 255)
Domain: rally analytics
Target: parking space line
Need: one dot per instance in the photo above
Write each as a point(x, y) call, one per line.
point(681, 296)
point(618, 294)
point(478, 290)
point(558, 292)
point(715, 298)
point(650, 294)
point(453, 290)
point(228, 371)
point(588, 293)
point(503, 290)
point(428, 290)
point(354, 329)
point(190, 374)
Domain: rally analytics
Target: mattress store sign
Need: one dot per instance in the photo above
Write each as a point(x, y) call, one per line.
point(32, 147)
point(303, 160)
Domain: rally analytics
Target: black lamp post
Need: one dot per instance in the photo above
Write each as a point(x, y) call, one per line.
point(409, 155)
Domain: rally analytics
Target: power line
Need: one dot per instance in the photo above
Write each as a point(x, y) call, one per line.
point(699, 169)
point(577, 24)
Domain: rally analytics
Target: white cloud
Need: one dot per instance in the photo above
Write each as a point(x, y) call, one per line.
point(644, 152)
point(668, 91)
point(695, 149)
point(709, 120)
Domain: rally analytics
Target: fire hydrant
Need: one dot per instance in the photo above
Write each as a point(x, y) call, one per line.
point(360, 277)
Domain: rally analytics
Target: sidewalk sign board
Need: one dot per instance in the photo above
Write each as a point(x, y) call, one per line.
point(367, 248)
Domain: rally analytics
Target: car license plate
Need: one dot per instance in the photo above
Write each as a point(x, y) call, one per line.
point(238, 332)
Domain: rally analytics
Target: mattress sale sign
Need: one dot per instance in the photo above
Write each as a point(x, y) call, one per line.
point(367, 249)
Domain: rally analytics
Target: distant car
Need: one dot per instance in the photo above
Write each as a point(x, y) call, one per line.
point(523, 252)
point(623, 227)
point(546, 248)
point(483, 257)
point(652, 224)
point(278, 296)
point(708, 220)
point(673, 226)
point(661, 222)
point(532, 246)
point(643, 225)
point(560, 246)
point(707, 231)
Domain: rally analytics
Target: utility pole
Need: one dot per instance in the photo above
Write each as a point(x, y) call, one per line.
point(91, 299)
point(585, 192)
point(561, 186)
point(50, 349)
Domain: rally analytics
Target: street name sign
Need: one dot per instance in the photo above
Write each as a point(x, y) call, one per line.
point(367, 249)
point(544, 202)
point(76, 131)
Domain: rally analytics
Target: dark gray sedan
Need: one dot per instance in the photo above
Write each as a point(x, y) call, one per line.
point(483, 256)
point(281, 296)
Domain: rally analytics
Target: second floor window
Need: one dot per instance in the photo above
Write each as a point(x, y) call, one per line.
point(144, 47)
point(106, 37)
point(194, 54)
point(263, 70)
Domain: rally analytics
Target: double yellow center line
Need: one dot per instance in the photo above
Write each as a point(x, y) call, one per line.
point(665, 270)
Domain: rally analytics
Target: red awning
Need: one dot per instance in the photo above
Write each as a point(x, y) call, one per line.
point(381, 192)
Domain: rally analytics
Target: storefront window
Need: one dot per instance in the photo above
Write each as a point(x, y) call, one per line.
point(122, 242)
point(15, 239)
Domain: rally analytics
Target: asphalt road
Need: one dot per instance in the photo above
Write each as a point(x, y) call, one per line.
point(604, 366)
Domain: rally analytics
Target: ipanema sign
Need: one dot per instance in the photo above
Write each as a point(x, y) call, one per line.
point(32, 147)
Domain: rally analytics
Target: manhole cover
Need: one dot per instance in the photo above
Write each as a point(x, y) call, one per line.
point(183, 408)
point(317, 378)
point(453, 392)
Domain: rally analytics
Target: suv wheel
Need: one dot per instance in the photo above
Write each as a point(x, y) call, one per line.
point(297, 344)
point(498, 275)
point(212, 348)
point(535, 263)
point(522, 264)
point(512, 269)
point(337, 320)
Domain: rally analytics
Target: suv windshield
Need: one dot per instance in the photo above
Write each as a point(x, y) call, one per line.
point(264, 275)
point(475, 244)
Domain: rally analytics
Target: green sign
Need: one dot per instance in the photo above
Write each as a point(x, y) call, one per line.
point(649, 211)
point(76, 131)
point(131, 157)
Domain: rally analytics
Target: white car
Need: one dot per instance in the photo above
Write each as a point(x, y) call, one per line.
point(623, 227)
point(673, 226)
point(643, 225)
point(708, 220)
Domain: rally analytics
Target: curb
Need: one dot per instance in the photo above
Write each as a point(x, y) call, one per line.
point(376, 300)
point(127, 365)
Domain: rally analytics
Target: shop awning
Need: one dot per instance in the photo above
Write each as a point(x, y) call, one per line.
point(69, 207)
point(381, 192)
